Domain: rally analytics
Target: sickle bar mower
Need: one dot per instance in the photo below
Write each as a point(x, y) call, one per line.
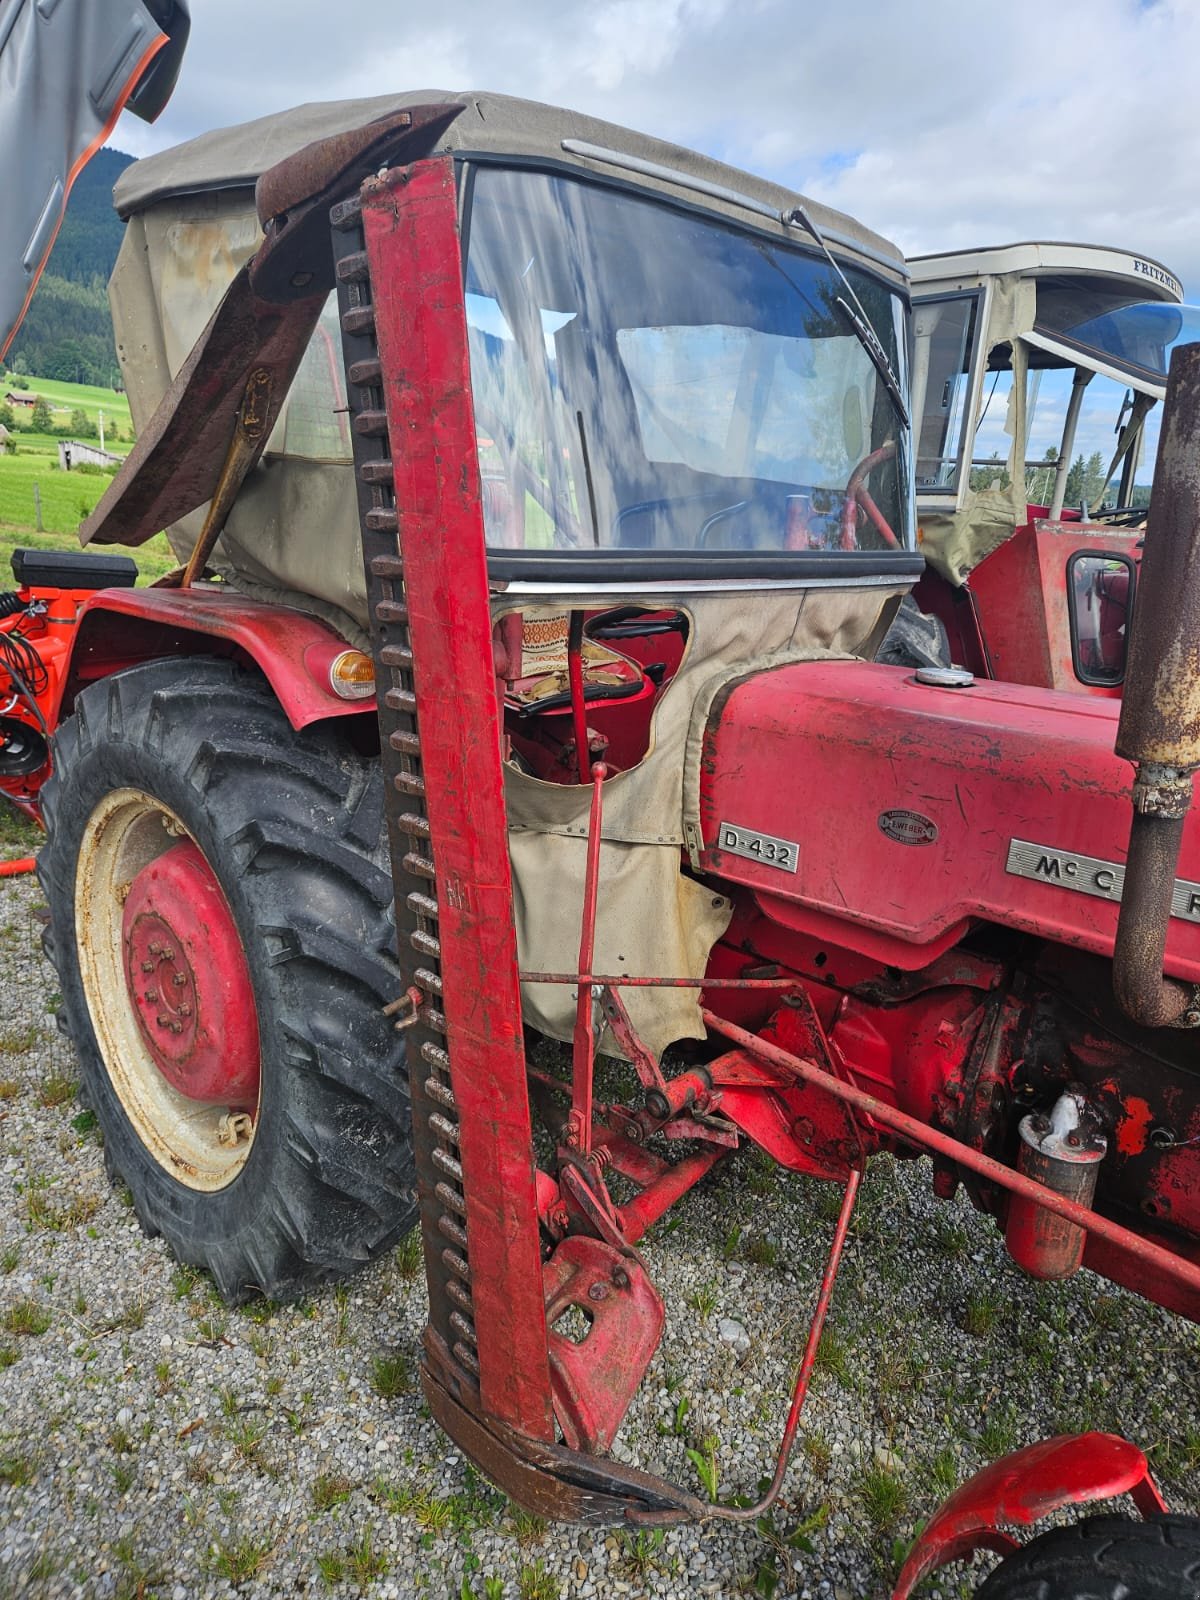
point(510, 1247)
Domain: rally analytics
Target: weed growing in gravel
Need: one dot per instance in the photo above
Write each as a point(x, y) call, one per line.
point(818, 1453)
point(527, 1529)
point(390, 1376)
point(132, 1316)
point(341, 1317)
point(211, 1329)
point(639, 1552)
point(246, 1435)
point(258, 1311)
point(8, 1356)
point(120, 1439)
point(57, 1088)
point(87, 1127)
point(274, 1386)
point(705, 1462)
point(535, 1583)
point(981, 1312)
point(408, 1255)
point(493, 1589)
point(833, 1358)
point(185, 1280)
point(332, 1569)
point(262, 1345)
point(761, 1174)
point(330, 1489)
point(703, 1300)
point(884, 1498)
point(25, 1317)
point(363, 1562)
point(10, 1259)
point(998, 1435)
point(944, 1471)
point(137, 1577)
point(17, 1040)
point(761, 1253)
point(239, 1560)
point(18, 1467)
point(9, 1088)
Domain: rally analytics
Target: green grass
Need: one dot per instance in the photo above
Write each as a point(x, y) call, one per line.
point(18, 835)
point(88, 397)
point(67, 497)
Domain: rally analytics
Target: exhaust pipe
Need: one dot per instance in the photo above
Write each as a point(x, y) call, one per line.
point(1159, 730)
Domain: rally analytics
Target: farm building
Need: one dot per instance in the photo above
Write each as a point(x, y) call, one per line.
point(74, 452)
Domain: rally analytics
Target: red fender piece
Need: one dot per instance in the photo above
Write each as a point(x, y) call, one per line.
point(294, 651)
point(1023, 1487)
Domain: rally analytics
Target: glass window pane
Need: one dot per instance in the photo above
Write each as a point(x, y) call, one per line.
point(650, 379)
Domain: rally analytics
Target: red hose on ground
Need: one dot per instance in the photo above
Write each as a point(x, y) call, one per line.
point(12, 869)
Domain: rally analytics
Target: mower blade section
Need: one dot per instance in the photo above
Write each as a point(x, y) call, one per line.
point(551, 1481)
point(177, 462)
point(399, 271)
point(596, 1376)
point(1023, 1487)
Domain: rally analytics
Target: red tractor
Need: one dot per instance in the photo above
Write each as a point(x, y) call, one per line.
point(520, 680)
point(1038, 373)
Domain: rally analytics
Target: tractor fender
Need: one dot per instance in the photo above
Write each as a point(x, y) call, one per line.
point(117, 628)
point(1023, 1487)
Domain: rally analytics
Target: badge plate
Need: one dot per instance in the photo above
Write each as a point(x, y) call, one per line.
point(762, 847)
point(1090, 875)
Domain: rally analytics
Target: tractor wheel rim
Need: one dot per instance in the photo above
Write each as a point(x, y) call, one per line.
point(168, 990)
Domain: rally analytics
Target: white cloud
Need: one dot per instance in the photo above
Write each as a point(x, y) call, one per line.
point(938, 123)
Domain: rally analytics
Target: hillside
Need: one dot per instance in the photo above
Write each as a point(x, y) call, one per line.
point(67, 333)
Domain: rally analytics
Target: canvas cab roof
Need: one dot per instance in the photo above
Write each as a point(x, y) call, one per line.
point(493, 126)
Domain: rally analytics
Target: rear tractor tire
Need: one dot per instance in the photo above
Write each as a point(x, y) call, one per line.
point(222, 926)
point(1104, 1558)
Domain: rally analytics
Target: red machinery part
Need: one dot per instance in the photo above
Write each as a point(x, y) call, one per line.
point(293, 651)
point(188, 982)
point(1023, 1487)
point(14, 869)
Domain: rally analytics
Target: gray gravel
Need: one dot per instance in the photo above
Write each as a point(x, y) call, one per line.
point(153, 1443)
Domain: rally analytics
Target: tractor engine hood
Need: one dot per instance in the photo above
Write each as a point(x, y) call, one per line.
point(887, 816)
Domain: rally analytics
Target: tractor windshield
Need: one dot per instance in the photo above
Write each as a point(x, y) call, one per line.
point(1135, 341)
point(650, 379)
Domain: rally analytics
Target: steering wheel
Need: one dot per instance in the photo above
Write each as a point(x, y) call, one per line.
point(859, 501)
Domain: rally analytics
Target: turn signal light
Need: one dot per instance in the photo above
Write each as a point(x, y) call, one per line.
point(352, 676)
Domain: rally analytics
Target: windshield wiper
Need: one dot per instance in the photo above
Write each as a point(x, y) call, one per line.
point(854, 314)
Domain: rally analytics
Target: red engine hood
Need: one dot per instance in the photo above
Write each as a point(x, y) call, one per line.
point(832, 756)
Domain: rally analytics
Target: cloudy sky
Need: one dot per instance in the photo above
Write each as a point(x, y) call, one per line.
point(940, 123)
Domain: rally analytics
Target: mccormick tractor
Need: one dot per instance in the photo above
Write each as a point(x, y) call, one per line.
point(543, 493)
point(1026, 355)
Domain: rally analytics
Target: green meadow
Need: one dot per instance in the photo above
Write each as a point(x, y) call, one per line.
point(66, 497)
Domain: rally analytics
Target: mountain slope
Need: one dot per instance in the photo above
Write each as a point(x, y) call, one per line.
point(67, 333)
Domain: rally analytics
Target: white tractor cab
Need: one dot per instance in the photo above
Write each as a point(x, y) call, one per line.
point(1037, 373)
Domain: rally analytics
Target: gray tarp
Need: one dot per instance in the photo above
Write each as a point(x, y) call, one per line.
point(66, 70)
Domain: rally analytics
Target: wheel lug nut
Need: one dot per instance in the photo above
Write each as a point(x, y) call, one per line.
point(151, 995)
point(163, 1021)
point(168, 954)
point(176, 1027)
point(185, 1011)
point(179, 980)
point(147, 966)
point(154, 949)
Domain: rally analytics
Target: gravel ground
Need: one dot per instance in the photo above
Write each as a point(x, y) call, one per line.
point(154, 1443)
